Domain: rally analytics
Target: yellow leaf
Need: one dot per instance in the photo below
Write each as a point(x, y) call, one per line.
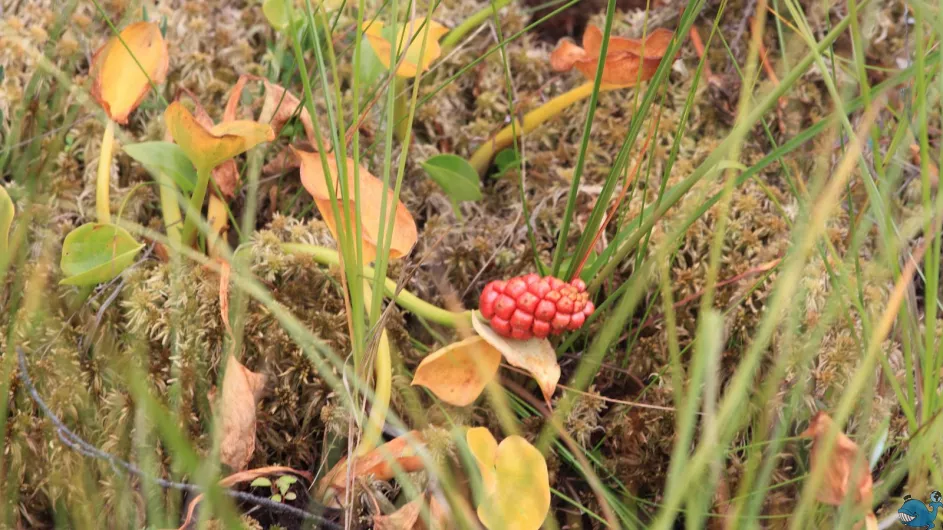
point(459, 372)
point(484, 448)
point(371, 198)
point(242, 389)
point(410, 36)
point(118, 82)
point(517, 497)
point(210, 147)
point(627, 61)
point(537, 356)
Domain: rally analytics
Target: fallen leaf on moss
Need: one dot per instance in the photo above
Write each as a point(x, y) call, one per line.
point(241, 477)
point(280, 105)
point(118, 82)
point(208, 147)
point(844, 461)
point(379, 463)
point(627, 62)
point(242, 389)
point(459, 372)
point(412, 61)
point(405, 518)
point(371, 197)
point(515, 479)
point(537, 356)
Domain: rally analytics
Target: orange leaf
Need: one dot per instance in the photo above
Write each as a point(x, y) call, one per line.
point(537, 356)
point(118, 82)
point(627, 61)
point(378, 463)
point(844, 461)
point(280, 105)
point(412, 63)
point(459, 372)
point(241, 392)
point(404, 518)
point(371, 197)
point(209, 147)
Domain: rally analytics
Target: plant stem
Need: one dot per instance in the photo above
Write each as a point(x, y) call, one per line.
point(103, 181)
point(216, 213)
point(403, 298)
point(470, 23)
point(383, 370)
point(400, 109)
point(481, 159)
point(169, 207)
point(196, 205)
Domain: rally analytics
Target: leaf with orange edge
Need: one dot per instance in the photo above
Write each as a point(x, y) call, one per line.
point(122, 78)
point(405, 518)
point(412, 63)
point(537, 356)
point(515, 479)
point(280, 105)
point(242, 389)
point(371, 197)
point(844, 461)
point(459, 372)
point(378, 463)
point(627, 61)
point(239, 478)
point(209, 147)
point(225, 272)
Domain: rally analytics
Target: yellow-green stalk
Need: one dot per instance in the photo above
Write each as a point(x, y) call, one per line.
point(103, 180)
point(383, 385)
point(481, 159)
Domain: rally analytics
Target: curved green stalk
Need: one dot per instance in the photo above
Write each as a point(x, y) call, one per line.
point(476, 19)
point(169, 207)
point(196, 205)
point(403, 298)
point(103, 178)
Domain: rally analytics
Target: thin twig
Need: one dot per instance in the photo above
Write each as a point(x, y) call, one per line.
point(74, 442)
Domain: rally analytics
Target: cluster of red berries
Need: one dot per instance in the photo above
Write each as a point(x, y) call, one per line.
point(531, 306)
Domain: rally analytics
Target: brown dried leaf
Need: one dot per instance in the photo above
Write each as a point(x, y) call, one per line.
point(378, 463)
point(537, 356)
point(627, 62)
point(459, 372)
point(844, 461)
point(242, 389)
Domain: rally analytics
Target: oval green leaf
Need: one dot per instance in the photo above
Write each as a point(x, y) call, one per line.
point(167, 158)
point(6, 220)
point(505, 161)
point(96, 253)
point(278, 13)
point(457, 178)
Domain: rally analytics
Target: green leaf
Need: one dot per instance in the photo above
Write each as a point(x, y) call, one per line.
point(505, 161)
point(167, 158)
point(6, 220)
point(284, 482)
point(277, 498)
point(455, 175)
point(96, 253)
point(278, 13)
point(290, 496)
point(261, 482)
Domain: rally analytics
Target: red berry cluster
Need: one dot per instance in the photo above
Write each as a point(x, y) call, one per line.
point(531, 306)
